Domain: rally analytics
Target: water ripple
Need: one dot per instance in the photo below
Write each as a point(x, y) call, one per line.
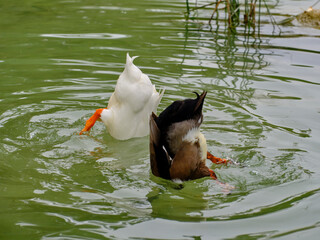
point(86, 35)
point(262, 110)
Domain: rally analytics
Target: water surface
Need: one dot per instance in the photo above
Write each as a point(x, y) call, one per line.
point(59, 61)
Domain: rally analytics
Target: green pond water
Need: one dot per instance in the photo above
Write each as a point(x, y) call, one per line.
point(59, 61)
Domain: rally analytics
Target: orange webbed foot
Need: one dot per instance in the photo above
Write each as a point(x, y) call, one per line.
point(217, 160)
point(92, 120)
point(227, 188)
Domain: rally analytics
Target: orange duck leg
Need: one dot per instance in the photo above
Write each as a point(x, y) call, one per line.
point(217, 160)
point(92, 120)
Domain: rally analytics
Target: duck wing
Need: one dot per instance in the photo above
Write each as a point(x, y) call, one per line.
point(159, 159)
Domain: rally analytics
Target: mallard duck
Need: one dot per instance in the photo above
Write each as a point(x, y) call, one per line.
point(130, 105)
point(178, 150)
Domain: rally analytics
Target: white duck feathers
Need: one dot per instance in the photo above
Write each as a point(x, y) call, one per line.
point(131, 104)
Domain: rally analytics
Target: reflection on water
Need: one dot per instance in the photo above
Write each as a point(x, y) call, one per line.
point(59, 62)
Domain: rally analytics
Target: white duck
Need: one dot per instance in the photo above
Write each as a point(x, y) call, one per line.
point(130, 106)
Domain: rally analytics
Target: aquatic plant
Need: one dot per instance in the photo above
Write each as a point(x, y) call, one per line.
point(234, 10)
point(245, 13)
